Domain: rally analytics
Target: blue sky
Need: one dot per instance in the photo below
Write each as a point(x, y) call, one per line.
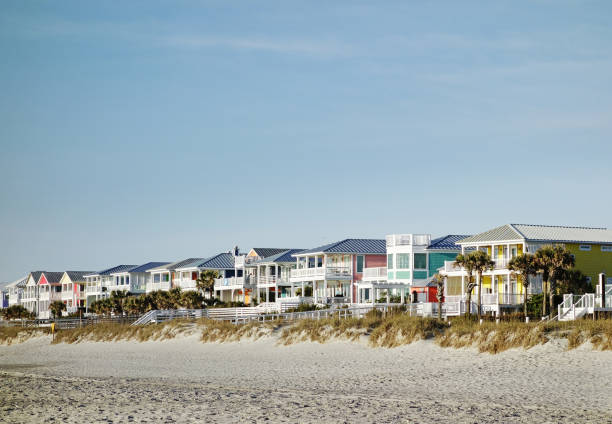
point(157, 130)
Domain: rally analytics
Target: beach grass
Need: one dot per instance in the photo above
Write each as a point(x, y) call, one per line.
point(10, 334)
point(389, 330)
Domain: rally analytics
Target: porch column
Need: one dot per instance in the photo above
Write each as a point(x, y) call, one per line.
point(267, 294)
point(402, 290)
point(303, 290)
point(325, 288)
point(373, 295)
point(388, 298)
point(314, 291)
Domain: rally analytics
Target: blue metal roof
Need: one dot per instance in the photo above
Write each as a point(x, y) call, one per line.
point(220, 261)
point(286, 256)
point(146, 267)
point(115, 269)
point(446, 243)
point(359, 246)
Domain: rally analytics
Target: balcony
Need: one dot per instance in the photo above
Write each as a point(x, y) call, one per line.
point(321, 273)
point(185, 283)
point(229, 283)
point(375, 274)
point(162, 285)
point(67, 294)
point(271, 280)
point(408, 240)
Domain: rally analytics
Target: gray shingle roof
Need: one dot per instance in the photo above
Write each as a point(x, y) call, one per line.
point(178, 264)
point(550, 233)
point(78, 275)
point(503, 233)
point(220, 261)
point(282, 257)
point(115, 269)
point(266, 252)
point(448, 242)
point(18, 283)
point(148, 266)
point(53, 276)
point(350, 246)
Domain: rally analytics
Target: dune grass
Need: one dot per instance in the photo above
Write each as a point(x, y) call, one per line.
point(390, 330)
point(10, 335)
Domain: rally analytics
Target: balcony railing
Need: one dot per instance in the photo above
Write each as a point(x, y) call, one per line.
point(264, 280)
point(229, 283)
point(408, 240)
point(185, 283)
point(329, 272)
point(379, 273)
point(163, 285)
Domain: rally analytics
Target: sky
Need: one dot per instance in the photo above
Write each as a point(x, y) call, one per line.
point(161, 130)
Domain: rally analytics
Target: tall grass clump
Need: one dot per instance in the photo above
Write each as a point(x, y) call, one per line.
point(225, 331)
point(400, 329)
point(10, 334)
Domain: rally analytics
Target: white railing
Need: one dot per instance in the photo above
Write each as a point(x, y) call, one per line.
point(93, 289)
point(322, 272)
point(449, 266)
point(229, 283)
point(379, 273)
point(510, 298)
point(164, 285)
point(185, 284)
point(408, 240)
point(67, 295)
point(270, 280)
point(574, 307)
point(501, 263)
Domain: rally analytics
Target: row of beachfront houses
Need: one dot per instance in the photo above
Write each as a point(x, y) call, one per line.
point(351, 271)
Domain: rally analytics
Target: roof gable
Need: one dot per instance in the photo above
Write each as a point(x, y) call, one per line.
point(448, 242)
point(220, 261)
point(266, 252)
point(503, 233)
point(75, 276)
point(50, 277)
point(282, 257)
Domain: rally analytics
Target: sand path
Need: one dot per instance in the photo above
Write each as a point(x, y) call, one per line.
point(187, 381)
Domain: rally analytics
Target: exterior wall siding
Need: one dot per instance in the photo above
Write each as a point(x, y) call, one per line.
point(436, 260)
point(592, 262)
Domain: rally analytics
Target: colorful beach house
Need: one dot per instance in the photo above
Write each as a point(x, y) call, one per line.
point(133, 280)
point(331, 271)
point(231, 280)
point(503, 289)
point(49, 290)
point(73, 290)
point(164, 277)
point(100, 284)
point(412, 260)
point(272, 275)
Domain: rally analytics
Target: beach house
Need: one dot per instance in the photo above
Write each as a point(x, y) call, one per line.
point(16, 290)
point(49, 290)
point(503, 289)
point(73, 290)
point(133, 280)
point(30, 292)
point(331, 271)
point(273, 276)
point(99, 284)
point(164, 277)
point(412, 260)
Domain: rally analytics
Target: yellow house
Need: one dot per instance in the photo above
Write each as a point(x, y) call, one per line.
point(591, 247)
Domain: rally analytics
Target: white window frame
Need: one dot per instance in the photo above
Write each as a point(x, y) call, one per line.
point(585, 247)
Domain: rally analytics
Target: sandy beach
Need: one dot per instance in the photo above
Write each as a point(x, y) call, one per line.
point(184, 380)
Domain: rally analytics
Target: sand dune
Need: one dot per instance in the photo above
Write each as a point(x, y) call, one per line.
point(184, 380)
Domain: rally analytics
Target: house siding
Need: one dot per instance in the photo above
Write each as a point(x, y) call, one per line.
point(436, 260)
point(592, 262)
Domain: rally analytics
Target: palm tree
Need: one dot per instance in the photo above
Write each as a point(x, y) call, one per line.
point(526, 265)
point(175, 295)
point(573, 281)
point(562, 262)
point(543, 260)
point(466, 262)
point(57, 308)
point(482, 262)
point(439, 279)
point(191, 300)
point(134, 305)
point(206, 280)
point(117, 300)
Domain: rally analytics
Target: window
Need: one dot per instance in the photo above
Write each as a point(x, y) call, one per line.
point(606, 248)
point(585, 247)
point(403, 261)
point(360, 262)
point(390, 261)
point(420, 261)
point(311, 262)
point(319, 261)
